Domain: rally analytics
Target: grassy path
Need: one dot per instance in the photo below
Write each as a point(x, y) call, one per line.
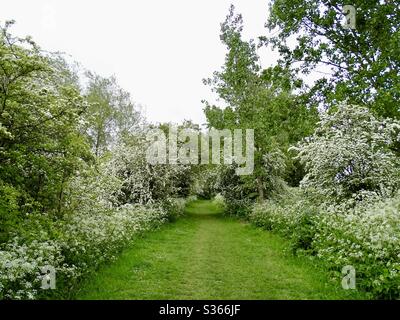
point(207, 256)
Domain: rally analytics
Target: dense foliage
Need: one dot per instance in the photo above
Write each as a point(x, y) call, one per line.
point(75, 186)
point(350, 155)
point(41, 146)
point(365, 237)
point(343, 159)
point(263, 100)
point(363, 62)
point(347, 212)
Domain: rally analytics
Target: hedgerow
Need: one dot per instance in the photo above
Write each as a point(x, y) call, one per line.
point(366, 237)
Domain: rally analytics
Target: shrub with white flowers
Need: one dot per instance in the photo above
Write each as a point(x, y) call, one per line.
point(143, 182)
point(347, 211)
point(366, 237)
point(350, 155)
point(106, 207)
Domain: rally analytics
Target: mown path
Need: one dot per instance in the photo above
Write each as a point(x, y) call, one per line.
point(205, 255)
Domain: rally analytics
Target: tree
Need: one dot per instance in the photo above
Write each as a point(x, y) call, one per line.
point(143, 182)
point(350, 155)
point(257, 99)
point(365, 61)
point(40, 110)
point(111, 113)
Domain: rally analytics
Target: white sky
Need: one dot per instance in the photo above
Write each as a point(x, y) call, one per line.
point(159, 50)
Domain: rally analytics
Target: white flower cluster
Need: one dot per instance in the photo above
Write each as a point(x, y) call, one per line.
point(351, 152)
point(20, 265)
point(143, 182)
point(84, 241)
point(174, 208)
point(366, 237)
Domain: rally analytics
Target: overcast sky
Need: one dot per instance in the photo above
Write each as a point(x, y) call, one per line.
point(158, 50)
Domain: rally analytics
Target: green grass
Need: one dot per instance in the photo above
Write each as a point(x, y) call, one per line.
point(205, 255)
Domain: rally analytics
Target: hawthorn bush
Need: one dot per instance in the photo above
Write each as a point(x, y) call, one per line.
point(351, 155)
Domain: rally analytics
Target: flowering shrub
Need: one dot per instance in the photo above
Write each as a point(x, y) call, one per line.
point(351, 154)
point(206, 183)
point(366, 236)
point(191, 198)
point(237, 194)
point(105, 208)
point(292, 216)
point(143, 182)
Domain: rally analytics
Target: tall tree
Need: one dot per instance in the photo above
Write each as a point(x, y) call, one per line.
point(257, 99)
point(111, 113)
point(364, 61)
